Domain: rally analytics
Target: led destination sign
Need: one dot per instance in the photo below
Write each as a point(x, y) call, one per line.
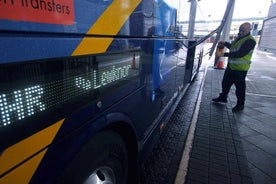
point(21, 103)
point(105, 78)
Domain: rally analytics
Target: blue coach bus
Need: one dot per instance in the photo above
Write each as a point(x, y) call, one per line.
point(86, 87)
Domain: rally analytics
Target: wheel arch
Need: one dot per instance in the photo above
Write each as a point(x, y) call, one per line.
point(122, 125)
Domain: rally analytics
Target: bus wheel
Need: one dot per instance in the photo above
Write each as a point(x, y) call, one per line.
point(103, 160)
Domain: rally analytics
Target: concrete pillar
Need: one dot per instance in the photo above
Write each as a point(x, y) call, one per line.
point(191, 28)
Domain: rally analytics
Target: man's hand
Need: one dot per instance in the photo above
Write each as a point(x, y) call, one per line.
point(219, 51)
point(221, 42)
point(219, 54)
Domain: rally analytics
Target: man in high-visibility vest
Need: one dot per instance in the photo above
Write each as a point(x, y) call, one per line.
point(239, 60)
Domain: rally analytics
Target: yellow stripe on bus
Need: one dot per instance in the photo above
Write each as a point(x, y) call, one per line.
point(24, 149)
point(109, 23)
point(24, 172)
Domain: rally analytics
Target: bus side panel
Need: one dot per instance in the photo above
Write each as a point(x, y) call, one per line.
point(82, 74)
point(45, 40)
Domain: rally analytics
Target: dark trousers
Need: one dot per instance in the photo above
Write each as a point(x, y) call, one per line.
point(237, 78)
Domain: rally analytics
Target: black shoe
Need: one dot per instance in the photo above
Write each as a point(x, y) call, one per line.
point(219, 99)
point(238, 108)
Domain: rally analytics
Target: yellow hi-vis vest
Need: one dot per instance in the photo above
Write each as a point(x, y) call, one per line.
point(242, 63)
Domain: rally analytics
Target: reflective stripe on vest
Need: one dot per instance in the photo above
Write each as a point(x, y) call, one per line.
point(239, 62)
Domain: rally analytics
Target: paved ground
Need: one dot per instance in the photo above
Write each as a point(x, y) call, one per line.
point(217, 154)
point(237, 147)
point(257, 123)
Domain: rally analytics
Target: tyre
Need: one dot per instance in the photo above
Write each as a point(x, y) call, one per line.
point(103, 160)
